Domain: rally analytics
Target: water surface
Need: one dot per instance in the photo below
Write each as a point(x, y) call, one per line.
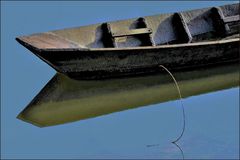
point(212, 119)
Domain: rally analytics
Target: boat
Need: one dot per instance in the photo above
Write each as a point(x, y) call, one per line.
point(178, 41)
point(65, 100)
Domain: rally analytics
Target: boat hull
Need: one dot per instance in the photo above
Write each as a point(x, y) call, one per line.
point(181, 40)
point(105, 63)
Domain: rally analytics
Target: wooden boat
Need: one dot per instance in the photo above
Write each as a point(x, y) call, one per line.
point(138, 46)
point(65, 100)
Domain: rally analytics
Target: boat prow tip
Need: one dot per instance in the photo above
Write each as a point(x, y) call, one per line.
point(27, 44)
point(46, 41)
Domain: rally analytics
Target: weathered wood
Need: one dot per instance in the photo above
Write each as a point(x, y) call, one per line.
point(182, 28)
point(117, 62)
point(108, 40)
point(141, 32)
point(222, 23)
point(148, 39)
point(231, 19)
point(126, 48)
point(133, 32)
point(48, 41)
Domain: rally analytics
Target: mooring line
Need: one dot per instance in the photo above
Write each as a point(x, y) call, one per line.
point(180, 96)
point(183, 113)
point(183, 110)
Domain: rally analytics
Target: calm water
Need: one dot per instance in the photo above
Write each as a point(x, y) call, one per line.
point(212, 118)
point(212, 123)
point(212, 131)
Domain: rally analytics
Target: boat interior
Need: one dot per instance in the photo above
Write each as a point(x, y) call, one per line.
point(209, 24)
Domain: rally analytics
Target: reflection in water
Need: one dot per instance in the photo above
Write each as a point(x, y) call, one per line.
point(183, 111)
point(179, 149)
point(65, 100)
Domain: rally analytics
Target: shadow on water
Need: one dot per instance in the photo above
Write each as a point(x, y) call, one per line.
point(71, 100)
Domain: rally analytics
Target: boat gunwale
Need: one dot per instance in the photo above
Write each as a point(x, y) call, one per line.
point(143, 47)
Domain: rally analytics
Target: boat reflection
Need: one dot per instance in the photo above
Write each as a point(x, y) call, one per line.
point(65, 100)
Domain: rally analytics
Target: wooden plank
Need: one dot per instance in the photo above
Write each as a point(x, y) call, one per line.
point(183, 30)
point(218, 18)
point(48, 41)
point(132, 32)
point(108, 40)
point(231, 19)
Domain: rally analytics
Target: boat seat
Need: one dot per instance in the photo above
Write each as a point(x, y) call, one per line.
point(225, 25)
point(141, 32)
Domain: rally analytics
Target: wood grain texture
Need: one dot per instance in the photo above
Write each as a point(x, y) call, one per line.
point(48, 41)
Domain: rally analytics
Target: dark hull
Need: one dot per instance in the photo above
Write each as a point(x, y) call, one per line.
point(97, 64)
point(179, 41)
